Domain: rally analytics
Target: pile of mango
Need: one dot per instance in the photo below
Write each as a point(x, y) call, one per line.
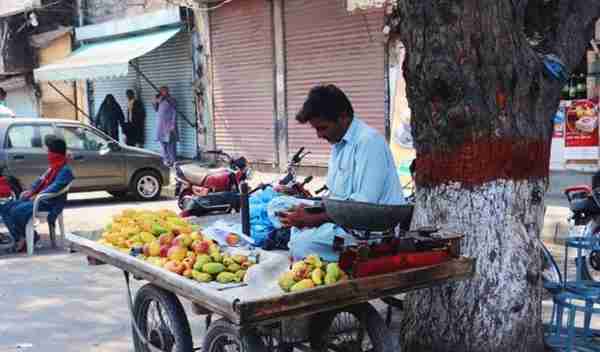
point(309, 273)
point(165, 240)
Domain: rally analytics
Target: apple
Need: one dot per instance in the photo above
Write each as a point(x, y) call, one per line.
point(164, 250)
point(232, 239)
point(154, 248)
point(187, 273)
point(192, 255)
point(166, 238)
point(174, 267)
point(177, 253)
point(183, 240)
point(201, 247)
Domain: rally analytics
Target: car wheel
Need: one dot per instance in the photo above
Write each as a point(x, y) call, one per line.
point(146, 185)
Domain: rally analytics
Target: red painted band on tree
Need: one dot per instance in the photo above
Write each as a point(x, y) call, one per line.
point(481, 161)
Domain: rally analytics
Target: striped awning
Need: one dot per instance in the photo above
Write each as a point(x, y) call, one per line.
point(103, 60)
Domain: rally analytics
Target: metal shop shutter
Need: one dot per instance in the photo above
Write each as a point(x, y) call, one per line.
point(244, 108)
point(170, 65)
point(333, 47)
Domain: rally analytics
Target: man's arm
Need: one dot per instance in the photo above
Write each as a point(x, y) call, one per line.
point(62, 179)
point(298, 217)
point(374, 172)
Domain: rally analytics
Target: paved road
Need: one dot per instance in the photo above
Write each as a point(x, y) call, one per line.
point(54, 302)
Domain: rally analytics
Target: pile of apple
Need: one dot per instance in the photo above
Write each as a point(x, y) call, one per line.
point(309, 273)
point(165, 240)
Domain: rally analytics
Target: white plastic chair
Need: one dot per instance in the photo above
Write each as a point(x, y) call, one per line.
point(42, 216)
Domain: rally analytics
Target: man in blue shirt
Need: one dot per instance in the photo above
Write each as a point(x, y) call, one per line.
point(361, 168)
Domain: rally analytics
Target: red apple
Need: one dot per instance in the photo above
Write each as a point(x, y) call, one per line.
point(166, 238)
point(177, 253)
point(189, 263)
point(164, 250)
point(201, 247)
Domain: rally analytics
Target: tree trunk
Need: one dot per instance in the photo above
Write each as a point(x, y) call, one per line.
point(482, 112)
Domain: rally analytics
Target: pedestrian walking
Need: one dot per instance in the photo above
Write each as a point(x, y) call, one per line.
point(110, 117)
point(166, 132)
point(134, 120)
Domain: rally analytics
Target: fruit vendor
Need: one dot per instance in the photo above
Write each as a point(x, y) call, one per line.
point(361, 168)
point(17, 213)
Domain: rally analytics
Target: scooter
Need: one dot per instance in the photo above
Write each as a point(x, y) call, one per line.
point(190, 184)
point(584, 203)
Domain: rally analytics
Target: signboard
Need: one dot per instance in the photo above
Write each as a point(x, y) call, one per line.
point(581, 130)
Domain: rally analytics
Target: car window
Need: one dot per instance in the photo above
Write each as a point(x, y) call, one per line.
point(80, 138)
point(45, 130)
point(21, 136)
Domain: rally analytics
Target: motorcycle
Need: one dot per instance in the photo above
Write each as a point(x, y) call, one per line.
point(584, 203)
point(190, 184)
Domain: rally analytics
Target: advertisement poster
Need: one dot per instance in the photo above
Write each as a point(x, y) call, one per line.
point(581, 130)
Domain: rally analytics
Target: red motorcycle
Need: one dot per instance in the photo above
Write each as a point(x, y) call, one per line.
point(190, 183)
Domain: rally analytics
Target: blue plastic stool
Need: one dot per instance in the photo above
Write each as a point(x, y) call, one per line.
point(573, 303)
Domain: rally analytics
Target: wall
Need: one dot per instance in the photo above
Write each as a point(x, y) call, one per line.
point(97, 11)
point(53, 105)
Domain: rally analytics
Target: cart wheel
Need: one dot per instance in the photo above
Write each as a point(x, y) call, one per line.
point(355, 328)
point(222, 336)
point(161, 320)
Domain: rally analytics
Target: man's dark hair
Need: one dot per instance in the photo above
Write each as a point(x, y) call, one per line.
point(130, 93)
point(2, 93)
point(325, 102)
point(55, 144)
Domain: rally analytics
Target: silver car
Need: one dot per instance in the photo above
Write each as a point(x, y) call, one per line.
point(99, 162)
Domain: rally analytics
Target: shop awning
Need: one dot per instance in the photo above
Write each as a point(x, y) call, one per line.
point(103, 60)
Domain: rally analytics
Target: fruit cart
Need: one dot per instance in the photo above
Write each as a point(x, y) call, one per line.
point(336, 317)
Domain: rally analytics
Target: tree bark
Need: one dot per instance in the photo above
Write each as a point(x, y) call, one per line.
point(482, 112)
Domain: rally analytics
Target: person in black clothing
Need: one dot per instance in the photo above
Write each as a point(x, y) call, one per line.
point(134, 120)
point(110, 117)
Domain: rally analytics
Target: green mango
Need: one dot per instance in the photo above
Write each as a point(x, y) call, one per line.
point(213, 268)
point(234, 268)
point(200, 261)
point(158, 230)
point(226, 277)
point(201, 277)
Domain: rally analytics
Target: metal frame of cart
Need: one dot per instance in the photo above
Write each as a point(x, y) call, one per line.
point(255, 324)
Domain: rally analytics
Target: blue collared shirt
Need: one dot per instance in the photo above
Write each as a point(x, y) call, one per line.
point(362, 168)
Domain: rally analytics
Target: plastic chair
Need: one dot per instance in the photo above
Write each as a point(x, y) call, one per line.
point(42, 216)
point(573, 296)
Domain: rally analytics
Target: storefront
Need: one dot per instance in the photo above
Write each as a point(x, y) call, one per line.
point(21, 96)
point(266, 59)
point(575, 140)
point(142, 53)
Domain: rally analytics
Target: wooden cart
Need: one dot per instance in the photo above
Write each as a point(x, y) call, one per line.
point(336, 317)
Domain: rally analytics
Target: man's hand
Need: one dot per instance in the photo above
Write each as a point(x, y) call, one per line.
point(298, 217)
point(284, 189)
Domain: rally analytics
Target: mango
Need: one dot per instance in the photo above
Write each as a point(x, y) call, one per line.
point(240, 274)
point(158, 230)
point(226, 277)
point(227, 260)
point(300, 270)
point(334, 270)
point(317, 276)
point(233, 268)
point(239, 259)
point(286, 281)
point(302, 285)
point(314, 260)
point(201, 277)
point(200, 261)
point(147, 237)
point(213, 268)
point(216, 257)
point(330, 279)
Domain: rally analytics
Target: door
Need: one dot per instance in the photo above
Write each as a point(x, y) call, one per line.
point(27, 157)
point(93, 169)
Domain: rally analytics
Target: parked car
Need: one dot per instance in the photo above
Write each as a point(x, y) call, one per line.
point(99, 162)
